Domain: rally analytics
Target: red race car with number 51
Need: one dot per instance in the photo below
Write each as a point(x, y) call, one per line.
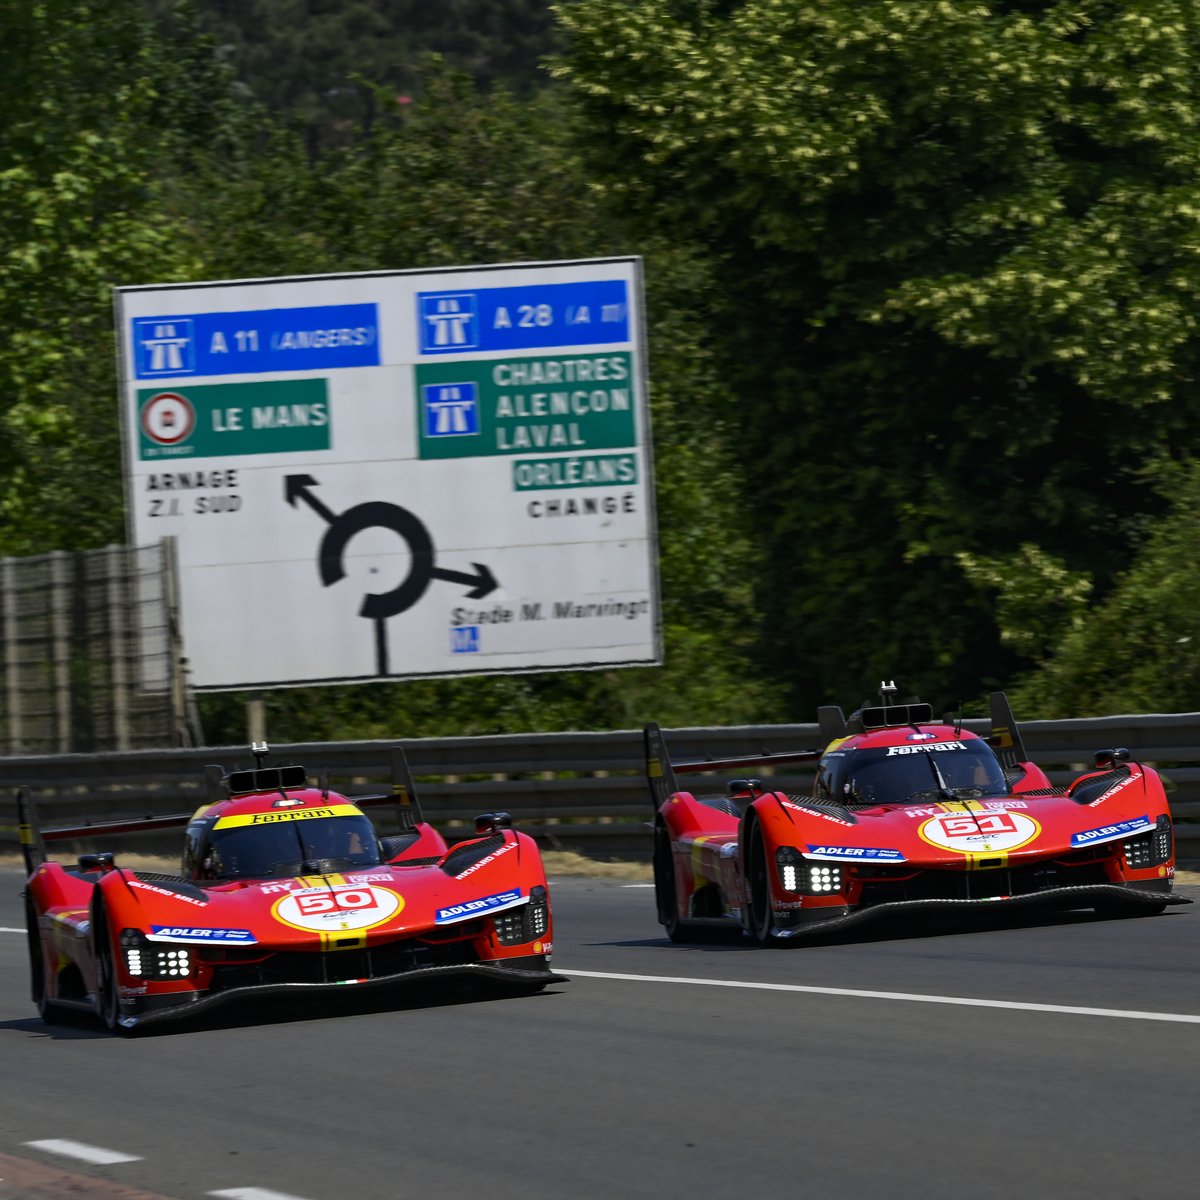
point(284, 890)
point(906, 814)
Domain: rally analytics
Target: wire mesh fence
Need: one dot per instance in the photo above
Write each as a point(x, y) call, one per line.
point(90, 656)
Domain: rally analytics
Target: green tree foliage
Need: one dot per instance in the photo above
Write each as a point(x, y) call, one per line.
point(1139, 650)
point(93, 109)
point(955, 245)
point(459, 177)
point(315, 61)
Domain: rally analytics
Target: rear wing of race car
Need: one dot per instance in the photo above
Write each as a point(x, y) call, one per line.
point(34, 837)
point(661, 771)
point(218, 786)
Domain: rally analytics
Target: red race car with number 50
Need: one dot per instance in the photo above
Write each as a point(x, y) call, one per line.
point(906, 814)
point(285, 890)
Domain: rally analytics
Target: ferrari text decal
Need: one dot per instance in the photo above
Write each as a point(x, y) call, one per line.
point(875, 853)
point(190, 933)
point(972, 832)
point(1108, 833)
point(330, 910)
point(933, 746)
point(472, 908)
point(295, 814)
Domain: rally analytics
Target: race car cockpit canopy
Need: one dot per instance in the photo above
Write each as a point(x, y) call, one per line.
point(931, 765)
point(299, 841)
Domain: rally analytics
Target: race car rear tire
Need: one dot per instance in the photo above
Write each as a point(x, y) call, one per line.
point(107, 998)
point(758, 876)
point(665, 893)
point(51, 1013)
point(679, 929)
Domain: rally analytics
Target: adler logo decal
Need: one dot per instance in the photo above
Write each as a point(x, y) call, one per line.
point(1108, 833)
point(473, 908)
point(853, 853)
point(191, 933)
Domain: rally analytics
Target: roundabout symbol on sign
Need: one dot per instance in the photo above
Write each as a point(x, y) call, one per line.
point(380, 514)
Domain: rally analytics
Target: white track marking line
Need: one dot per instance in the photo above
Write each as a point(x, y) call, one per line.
point(6, 929)
point(637, 885)
point(89, 1154)
point(253, 1194)
point(966, 1001)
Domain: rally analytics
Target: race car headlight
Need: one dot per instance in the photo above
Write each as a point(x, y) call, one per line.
point(145, 959)
point(174, 963)
point(1152, 849)
point(823, 878)
point(800, 874)
point(526, 923)
point(791, 869)
point(538, 914)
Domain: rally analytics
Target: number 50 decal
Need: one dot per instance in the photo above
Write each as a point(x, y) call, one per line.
point(310, 903)
point(347, 908)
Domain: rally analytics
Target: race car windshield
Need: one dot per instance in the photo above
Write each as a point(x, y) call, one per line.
point(291, 848)
point(907, 774)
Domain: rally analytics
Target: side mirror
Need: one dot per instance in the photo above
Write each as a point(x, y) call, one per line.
point(1111, 758)
point(96, 862)
point(491, 822)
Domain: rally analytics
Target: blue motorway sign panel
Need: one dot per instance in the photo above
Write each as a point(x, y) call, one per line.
point(247, 343)
point(592, 313)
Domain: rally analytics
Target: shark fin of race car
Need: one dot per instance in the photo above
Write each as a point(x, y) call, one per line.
point(1005, 736)
point(659, 773)
point(33, 848)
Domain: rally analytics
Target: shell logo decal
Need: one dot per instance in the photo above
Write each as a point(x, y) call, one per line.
point(975, 833)
point(332, 910)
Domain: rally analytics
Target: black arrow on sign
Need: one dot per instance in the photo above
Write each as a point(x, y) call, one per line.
point(379, 514)
point(482, 582)
point(295, 487)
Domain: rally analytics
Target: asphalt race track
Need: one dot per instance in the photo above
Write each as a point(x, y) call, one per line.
point(1050, 1057)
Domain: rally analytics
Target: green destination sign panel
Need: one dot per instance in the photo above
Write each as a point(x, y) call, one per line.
point(588, 470)
point(218, 419)
point(566, 403)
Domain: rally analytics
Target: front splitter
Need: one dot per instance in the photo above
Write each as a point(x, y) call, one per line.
point(1074, 897)
point(517, 979)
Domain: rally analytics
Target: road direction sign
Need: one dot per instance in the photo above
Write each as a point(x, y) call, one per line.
point(397, 474)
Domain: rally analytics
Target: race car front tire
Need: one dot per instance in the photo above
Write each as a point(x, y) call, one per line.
point(50, 1012)
point(758, 875)
point(107, 999)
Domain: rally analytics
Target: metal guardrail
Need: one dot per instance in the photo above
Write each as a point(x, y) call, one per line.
point(581, 791)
